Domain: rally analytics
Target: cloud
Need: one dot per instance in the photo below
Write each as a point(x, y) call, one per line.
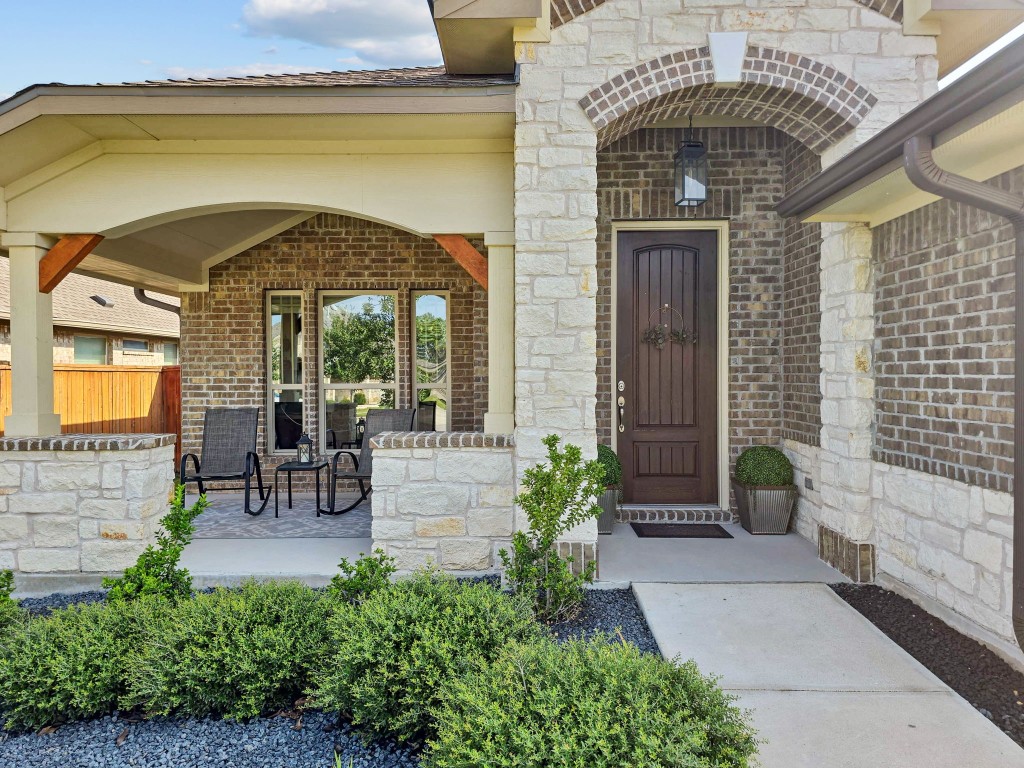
point(243, 70)
point(376, 32)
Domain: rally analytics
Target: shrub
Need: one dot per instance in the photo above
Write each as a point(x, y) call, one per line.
point(9, 608)
point(763, 465)
point(156, 573)
point(391, 655)
point(237, 653)
point(558, 496)
point(587, 704)
point(612, 466)
point(357, 581)
point(69, 665)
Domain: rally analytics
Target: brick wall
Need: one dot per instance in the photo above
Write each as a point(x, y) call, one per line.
point(746, 167)
point(223, 334)
point(801, 310)
point(944, 342)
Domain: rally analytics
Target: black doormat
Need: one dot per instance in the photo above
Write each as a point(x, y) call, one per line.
point(680, 531)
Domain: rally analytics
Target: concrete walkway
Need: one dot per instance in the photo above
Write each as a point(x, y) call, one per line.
point(825, 687)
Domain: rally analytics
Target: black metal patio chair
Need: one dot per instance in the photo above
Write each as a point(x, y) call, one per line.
point(377, 420)
point(229, 453)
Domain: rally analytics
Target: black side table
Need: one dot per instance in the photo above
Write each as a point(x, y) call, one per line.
point(297, 466)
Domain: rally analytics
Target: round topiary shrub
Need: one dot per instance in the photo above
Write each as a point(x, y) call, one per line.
point(763, 465)
point(391, 655)
point(612, 466)
point(238, 653)
point(594, 704)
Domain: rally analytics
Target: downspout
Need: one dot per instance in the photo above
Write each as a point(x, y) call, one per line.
point(140, 294)
point(925, 174)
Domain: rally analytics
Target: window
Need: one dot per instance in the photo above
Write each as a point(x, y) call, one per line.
point(284, 364)
point(431, 390)
point(90, 350)
point(135, 345)
point(357, 361)
point(170, 353)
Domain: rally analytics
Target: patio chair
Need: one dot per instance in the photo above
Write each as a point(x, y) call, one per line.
point(229, 453)
point(426, 417)
point(377, 420)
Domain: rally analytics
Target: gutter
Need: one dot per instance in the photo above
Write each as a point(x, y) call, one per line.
point(925, 174)
point(149, 301)
point(1001, 76)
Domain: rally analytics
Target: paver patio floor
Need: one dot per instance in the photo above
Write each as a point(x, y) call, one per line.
point(826, 688)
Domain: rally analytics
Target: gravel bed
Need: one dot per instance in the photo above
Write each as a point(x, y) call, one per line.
point(43, 606)
point(611, 611)
point(991, 685)
point(273, 742)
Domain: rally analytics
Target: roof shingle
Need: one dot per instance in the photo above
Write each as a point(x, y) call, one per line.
point(409, 77)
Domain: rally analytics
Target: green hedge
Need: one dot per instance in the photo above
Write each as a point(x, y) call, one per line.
point(612, 466)
point(764, 465)
point(236, 653)
point(587, 705)
point(392, 654)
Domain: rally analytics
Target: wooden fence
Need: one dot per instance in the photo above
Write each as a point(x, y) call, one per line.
point(110, 399)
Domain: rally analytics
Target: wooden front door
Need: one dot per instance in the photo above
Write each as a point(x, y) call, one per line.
point(666, 391)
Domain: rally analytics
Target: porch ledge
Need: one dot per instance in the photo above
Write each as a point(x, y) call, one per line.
point(441, 440)
point(86, 443)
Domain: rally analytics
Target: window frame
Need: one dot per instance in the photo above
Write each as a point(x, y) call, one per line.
point(321, 387)
point(177, 352)
point(268, 378)
point(146, 346)
point(106, 347)
point(416, 386)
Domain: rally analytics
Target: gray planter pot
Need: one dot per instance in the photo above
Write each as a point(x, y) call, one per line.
point(609, 503)
point(764, 508)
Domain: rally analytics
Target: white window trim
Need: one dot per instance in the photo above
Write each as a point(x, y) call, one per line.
point(268, 377)
point(416, 386)
point(106, 347)
point(321, 387)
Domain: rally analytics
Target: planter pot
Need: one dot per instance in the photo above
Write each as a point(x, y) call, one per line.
point(764, 508)
point(609, 503)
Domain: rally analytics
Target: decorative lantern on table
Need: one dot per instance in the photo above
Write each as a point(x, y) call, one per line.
point(304, 449)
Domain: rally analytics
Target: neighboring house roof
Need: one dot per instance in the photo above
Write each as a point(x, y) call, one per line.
point(73, 307)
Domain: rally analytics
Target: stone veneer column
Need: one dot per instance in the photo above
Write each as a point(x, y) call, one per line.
point(555, 269)
point(847, 405)
point(80, 504)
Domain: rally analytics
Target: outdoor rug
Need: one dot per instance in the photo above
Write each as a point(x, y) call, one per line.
point(680, 531)
point(224, 519)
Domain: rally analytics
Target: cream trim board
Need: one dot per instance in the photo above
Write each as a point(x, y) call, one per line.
point(271, 427)
point(721, 228)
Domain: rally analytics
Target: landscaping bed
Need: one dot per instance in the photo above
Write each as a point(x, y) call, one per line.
point(991, 685)
point(290, 738)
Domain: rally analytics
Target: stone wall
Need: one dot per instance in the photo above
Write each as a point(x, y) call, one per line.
point(223, 331)
point(944, 299)
point(81, 503)
point(443, 499)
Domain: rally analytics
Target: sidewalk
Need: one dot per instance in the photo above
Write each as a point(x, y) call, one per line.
point(826, 688)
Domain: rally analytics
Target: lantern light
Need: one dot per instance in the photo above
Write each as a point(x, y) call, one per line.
point(304, 449)
point(691, 163)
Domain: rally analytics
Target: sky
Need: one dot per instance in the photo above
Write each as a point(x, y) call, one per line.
point(111, 41)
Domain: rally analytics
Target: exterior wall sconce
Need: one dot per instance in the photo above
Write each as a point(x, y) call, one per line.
point(691, 163)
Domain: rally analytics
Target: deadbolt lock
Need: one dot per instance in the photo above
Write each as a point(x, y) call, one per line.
point(622, 386)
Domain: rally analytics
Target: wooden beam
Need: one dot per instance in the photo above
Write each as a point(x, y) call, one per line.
point(64, 257)
point(468, 257)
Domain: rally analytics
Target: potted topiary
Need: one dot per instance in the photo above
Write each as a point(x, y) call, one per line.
point(609, 500)
point(765, 494)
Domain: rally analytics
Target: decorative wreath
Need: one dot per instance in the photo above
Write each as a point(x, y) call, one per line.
point(658, 334)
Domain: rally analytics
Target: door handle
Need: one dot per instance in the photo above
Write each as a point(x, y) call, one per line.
point(622, 413)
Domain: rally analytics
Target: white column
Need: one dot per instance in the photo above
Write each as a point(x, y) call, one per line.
point(500, 418)
point(31, 340)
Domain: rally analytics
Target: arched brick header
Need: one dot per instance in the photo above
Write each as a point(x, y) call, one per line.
point(564, 11)
point(813, 102)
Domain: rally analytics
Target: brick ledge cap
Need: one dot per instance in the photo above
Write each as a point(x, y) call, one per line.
point(386, 440)
point(71, 442)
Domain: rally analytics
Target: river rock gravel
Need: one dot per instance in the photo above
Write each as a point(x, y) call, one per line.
point(269, 742)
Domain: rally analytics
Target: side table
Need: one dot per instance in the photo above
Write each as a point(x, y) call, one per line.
point(297, 466)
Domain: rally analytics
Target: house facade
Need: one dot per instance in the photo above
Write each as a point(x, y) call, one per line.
point(508, 228)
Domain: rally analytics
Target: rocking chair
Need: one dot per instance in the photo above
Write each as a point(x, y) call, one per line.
point(229, 453)
point(377, 420)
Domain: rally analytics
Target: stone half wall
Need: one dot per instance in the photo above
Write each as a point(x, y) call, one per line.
point(443, 499)
point(81, 504)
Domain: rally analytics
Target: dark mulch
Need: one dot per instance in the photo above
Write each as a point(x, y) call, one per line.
point(612, 612)
point(991, 685)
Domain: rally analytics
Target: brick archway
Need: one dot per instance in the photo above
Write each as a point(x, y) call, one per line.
point(564, 11)
point(811, 101)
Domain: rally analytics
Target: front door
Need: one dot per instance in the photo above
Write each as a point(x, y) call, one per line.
point(666, 392)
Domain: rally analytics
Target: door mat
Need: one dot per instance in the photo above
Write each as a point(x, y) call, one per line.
point(680, 531)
